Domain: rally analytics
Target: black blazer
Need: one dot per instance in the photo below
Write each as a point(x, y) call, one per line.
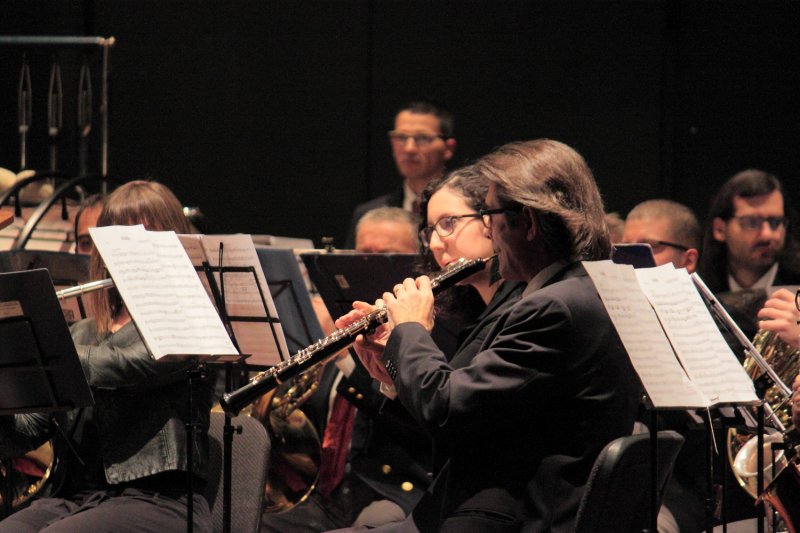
point(527, 416)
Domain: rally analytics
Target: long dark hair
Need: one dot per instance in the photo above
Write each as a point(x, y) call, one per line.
point(473, 187)
point(556, 182)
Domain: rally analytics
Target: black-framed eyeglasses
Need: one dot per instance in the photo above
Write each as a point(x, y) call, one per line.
point(443, 227)
point(657, 244)
point(755, 222)
point(486, 214)
point(420, 139)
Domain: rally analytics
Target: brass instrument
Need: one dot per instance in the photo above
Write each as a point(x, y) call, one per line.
point(742, 447)
point(235, 401)
point(278, 392)
point(783, 494)
point(29, 473)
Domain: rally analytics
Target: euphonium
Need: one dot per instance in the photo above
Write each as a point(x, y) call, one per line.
point(743, 447)
point(235, 401)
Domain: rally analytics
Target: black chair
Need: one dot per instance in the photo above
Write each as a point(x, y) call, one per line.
point(617, 497)
point(248, 477)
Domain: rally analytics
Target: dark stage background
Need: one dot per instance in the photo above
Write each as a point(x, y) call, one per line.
point(271, 116)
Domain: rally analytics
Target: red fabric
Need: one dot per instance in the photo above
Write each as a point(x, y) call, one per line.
point(335, 445)
point(27, 467)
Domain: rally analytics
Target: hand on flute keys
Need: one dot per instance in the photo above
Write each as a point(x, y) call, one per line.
point(370, 348)
point(411, 301)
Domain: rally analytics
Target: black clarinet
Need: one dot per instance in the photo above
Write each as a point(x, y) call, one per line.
point(305, 359)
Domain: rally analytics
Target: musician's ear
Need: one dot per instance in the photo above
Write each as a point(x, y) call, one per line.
point(530, 222)
point(719, 229)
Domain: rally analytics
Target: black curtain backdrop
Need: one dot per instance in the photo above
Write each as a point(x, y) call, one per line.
point(271, 116)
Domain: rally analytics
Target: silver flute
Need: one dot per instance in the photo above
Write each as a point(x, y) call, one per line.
point(80, 290)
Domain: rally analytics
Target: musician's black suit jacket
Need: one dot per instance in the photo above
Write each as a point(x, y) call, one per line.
point(385, 434)
point(528, 415)
point(393, 199)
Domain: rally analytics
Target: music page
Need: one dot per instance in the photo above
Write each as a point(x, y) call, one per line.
point(264, 340)
point(695, 336)
point(652, 357)
point(193, 246)
point(162, 292)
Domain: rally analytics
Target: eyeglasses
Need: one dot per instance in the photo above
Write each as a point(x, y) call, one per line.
point(755, 222)
point(658, 244)
point(443, 227)
point(486, 214)
point(422, 140)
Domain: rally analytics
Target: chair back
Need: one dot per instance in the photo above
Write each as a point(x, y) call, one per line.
point(617, 497)
point(250, 455)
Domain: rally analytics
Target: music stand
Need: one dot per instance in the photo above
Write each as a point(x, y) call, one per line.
point(66, 270)
point(39, 367)
point(292, 301)
point(342, 278)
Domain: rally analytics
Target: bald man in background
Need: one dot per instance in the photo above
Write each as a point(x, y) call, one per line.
point(671, 229)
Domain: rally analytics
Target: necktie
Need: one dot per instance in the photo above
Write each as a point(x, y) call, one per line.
point(335, 445)
point(415, 206)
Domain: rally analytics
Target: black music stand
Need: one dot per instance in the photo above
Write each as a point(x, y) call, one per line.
point(66, 270)
point(342, 278)
point(217, 293)
point(292, 301)
point(39, 367)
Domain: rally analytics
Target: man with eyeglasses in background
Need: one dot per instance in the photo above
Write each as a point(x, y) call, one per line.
point(422, 143)
point(747, 244)
point(748, 248)
point(671, 230)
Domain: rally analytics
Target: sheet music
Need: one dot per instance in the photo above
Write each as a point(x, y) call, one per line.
point(193, 246)
point(162, 292)
point(705, 355)
point(242, 297)
point(652, 357)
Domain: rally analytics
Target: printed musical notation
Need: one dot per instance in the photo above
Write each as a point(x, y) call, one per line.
point(162, 292)
point(672, 341)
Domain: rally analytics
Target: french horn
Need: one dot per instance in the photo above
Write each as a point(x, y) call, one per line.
point(743, 447)
point(27, 474)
